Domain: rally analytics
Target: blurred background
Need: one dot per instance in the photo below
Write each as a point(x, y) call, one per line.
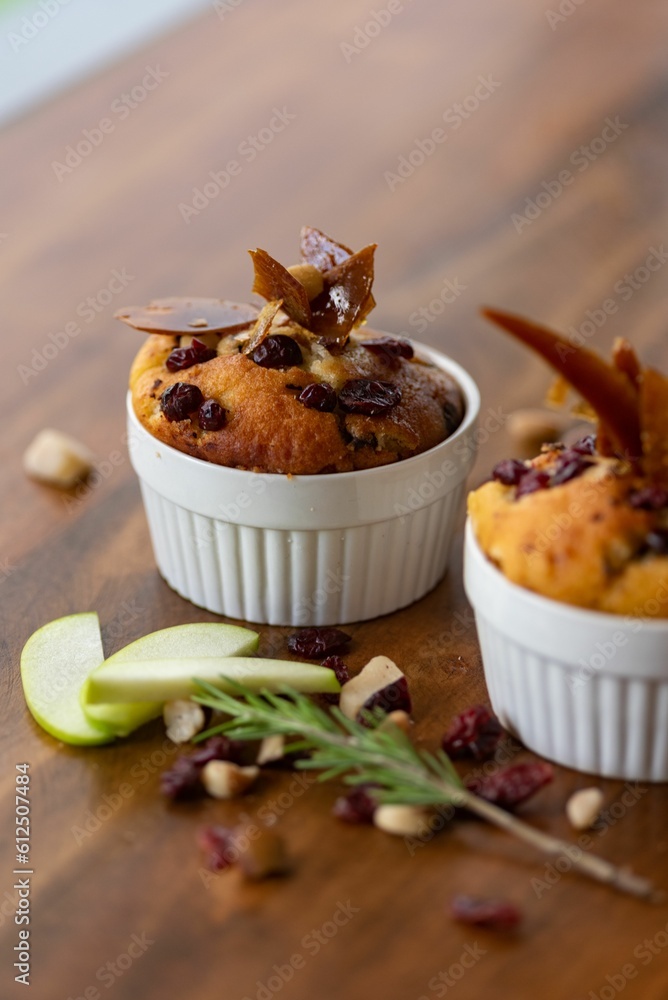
point(509, 153)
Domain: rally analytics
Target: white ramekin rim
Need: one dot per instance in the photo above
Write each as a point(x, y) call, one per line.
point(613, 645)
point(335, 500)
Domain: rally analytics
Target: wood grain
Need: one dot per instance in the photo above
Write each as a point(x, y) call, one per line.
point(135, 869)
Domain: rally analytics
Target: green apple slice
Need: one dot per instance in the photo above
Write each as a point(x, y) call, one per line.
point(55, 662)
point(166, 679)
point(196, 639)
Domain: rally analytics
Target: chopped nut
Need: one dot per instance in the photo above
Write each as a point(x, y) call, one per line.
point(210, 339)
point(310, 277)
point(265, 855)
point(224, 780)
point(403, 821)
point(583, 807)
point(183, 719)
point(198, 321)
point(271, 749)
point(57, 459)
point(399, 718)
point(532, 428)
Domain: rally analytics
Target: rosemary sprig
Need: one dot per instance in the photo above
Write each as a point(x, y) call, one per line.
point(340, 747)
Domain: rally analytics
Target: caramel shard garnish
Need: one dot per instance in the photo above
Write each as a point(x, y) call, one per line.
point(625, 360)
point(605, 388)
point(180, 315)
point(654, 422)
point(273, 281)
point(321, 250)
point(263, 325)
point(347, 297)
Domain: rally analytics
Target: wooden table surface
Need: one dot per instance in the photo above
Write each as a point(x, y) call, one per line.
point(545, 194)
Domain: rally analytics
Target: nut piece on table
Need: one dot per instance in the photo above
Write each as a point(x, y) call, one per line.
point(402, 821)
point(183, 718)
point(398, 718)
point(271, 749)
point(224, 780)
point(57, 459)
point(532, 428)
point(583, 807)
point(310, 277)
point(265, 855)
point(380, 684)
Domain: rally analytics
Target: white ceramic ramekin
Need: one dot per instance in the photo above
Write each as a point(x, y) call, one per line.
point(586, 689)
point(306, 550)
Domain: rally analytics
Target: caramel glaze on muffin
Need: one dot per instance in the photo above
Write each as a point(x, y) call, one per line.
point(268, 430)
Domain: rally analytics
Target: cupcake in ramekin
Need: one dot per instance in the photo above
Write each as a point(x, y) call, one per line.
point(566, 566)
point(294, 469)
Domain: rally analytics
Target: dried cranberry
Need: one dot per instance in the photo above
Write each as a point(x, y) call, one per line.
point(185, 357)
point(392, 698)
point(358, 806)
point(512, 785)
point(183, 779)
point(535, 479)
point(178, 401)
point(340, 668)
point(318, 396)
point(389, 349)
point(363, 395)
point(277, 351)
point(217, 841)
point(494, 914)
point(211, 416)
point(569, 466)
point(657, 542)
point(314, 643)
point(509, 471)
point(585, 446)
point(473, 733)
point(648, 498)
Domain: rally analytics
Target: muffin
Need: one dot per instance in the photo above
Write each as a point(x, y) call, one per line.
point(296, 388)
point(588, 524)
point(294, 469)
point(566, 567)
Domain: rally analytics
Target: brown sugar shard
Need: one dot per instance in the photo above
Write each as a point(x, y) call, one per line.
point(321, 250)
point(184, 315)
point(608, 390)
point(654, 424)
point(273, 281)
point(346, 299)
point(263, 325)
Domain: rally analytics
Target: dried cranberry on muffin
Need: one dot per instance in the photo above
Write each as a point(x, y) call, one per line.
point(296, 387)
point(587, 524)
